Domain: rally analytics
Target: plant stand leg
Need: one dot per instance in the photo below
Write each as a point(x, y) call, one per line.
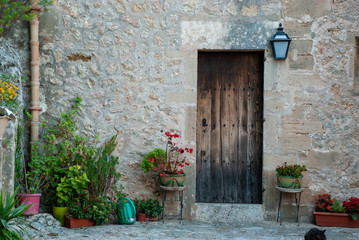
point(180, 195)
point(297, 201)
point(279, 208)
point(163, 205)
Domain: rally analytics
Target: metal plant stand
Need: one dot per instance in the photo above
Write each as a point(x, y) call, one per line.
point(297, 201)
point(180, 200)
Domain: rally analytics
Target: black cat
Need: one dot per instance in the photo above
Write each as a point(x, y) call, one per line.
point(315, 234)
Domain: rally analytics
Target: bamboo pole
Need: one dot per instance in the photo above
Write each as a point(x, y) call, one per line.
point(35, 108)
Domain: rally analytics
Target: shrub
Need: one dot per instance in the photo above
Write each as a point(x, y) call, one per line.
point(101, 169)
point(90, 206)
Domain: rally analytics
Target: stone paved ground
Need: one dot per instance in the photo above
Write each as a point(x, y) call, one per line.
point(192, 230)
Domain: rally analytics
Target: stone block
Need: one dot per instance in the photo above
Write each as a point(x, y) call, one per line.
point(308, 81)
point(270, 195)
point(301, 46)
point(182, 97)
point(203, 34)
point(271, 161)
point(302, 62)
point(320, 160)
point(270, 74)
point(7, 157)
point(290, 140)
point(278, 94)
point(270, 132)
point(305, 97)
point(50, 22)
point(297, 9)
point(297, 30)
point(276, 105)
point(190, 73)
point(302, 126)
point(228, 213)
point(190, 127)
point(308, 196)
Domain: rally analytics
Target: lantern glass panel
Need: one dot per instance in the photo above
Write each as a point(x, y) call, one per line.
point(280, 49)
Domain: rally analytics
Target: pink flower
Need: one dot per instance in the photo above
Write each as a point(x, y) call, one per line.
point(156, 169)
point(161, 174)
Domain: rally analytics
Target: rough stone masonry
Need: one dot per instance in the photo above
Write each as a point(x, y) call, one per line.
point(135, 65)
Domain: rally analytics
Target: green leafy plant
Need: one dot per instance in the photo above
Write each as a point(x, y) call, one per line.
point(171, 161)
point(149, 206)
point(101, 169)
point(71, 185)
point(291, 170)
point(11, 10)
point(139, 205)
point(90, 206)
point(151, 160)
point(11, 222)
point(337, 207)
point(63, 155)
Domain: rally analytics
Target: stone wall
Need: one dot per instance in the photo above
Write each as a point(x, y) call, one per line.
point(7, 157)
point(12, 57)
point(135, 65)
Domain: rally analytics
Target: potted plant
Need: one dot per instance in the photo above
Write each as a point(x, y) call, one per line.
point(147, 209)
point(152, 209)
point(140, 210)
point(329, 212)
point(65, 153)
point(290, 176)
point(168, 163)
point(35, 178)
point(88, 210)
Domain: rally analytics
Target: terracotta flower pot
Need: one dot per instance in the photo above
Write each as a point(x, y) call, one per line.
point(150, 218)
point(289, 182)
point(78, 222)
point(173, 180)
point(30, 199)
point(141, 217)
point(335, 220)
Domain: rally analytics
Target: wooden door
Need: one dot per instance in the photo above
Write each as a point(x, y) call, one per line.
point(229, 127)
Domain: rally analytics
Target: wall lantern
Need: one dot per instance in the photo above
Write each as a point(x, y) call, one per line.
point(280, 44)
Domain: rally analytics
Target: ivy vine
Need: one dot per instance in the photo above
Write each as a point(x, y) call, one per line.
point(12, 10)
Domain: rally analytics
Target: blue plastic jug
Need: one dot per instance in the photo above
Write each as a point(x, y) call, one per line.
point(126, 211)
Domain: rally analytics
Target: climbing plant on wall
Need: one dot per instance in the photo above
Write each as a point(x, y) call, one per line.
point(12, 10)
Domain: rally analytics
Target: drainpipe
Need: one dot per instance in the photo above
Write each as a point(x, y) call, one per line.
point(35, 108)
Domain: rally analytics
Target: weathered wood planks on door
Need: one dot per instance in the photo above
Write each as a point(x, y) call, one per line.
point(229, 127)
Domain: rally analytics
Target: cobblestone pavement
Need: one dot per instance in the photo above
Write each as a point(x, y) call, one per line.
point(192, 230)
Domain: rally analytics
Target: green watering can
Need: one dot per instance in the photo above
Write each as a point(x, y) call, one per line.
point(126, 211)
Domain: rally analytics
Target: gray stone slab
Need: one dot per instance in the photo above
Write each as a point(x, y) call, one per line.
point(188, 230)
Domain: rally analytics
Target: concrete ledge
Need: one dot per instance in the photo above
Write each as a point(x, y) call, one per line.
point(228, 212)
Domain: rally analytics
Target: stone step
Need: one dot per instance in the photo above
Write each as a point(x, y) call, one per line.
point(228, 212)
